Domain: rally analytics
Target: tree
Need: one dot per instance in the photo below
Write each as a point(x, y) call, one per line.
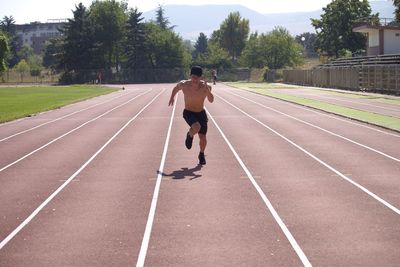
point(334, 29)
point(52, 54)
point(77, 44)
point(199, 53)
point(188, 46)
point(7, 25)
point(26, 52)
point(276, 50)
point(164, 48)
point(4, 49)
point(215, 37)
point(135, 39)
point(35, 65)
point(22, 67)
point(397, 11)
point(252, 55)
point(109, 18)
point(282, 49)
point(34, 61)
point(233, 34)
point(307, 40)
point(201, 45)
point(161, 19)
point(216, 56)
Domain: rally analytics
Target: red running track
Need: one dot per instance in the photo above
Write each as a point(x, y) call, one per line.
point(109, 182)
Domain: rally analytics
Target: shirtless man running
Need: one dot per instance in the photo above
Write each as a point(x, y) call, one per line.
point(195, 91)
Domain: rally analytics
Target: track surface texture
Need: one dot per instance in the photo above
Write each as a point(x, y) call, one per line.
point(109, 182)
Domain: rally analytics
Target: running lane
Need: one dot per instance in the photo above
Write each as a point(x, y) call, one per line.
point(31, 138)
point(358, 158)
point(212, 215)
point(334, 221)
point(26, 187)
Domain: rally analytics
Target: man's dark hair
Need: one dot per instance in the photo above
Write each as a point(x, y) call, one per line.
point(196, 70)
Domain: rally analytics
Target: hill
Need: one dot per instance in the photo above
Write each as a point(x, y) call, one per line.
point(191, 20)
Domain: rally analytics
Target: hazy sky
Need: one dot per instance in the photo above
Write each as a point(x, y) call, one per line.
point(25, 11)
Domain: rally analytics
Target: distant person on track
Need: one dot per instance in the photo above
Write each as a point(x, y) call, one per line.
point(214, 75)
point(195, 91)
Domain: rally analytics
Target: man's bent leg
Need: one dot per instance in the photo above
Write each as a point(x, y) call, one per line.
point(194, 129)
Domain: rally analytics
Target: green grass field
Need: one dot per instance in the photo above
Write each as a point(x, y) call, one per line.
point(369, 117)
point(18, 102)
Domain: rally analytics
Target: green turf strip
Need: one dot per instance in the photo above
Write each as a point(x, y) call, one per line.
point(369, 117)
point(18, 102)
point(379, 98)
point(350, 94)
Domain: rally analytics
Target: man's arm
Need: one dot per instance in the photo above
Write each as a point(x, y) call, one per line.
point(210, 96)
point(174, 92)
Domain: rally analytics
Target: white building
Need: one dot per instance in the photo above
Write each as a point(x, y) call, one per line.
point(381, 40)
point(35, 34)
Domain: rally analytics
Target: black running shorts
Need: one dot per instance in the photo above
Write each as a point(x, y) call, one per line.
point(200, 117)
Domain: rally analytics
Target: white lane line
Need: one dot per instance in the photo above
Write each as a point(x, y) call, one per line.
point(320, 128)
point(63, 117)
point(267, 202)
point(38, 209)
point(149, 225)
point(365, 190)
point(73, 130)
point(337, 117)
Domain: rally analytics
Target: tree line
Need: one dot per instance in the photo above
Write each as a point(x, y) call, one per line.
point(112, 40)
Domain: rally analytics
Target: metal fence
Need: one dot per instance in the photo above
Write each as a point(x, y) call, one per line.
point(370, 78)
point(91, 76)
point(14, 77)
point(140, 75)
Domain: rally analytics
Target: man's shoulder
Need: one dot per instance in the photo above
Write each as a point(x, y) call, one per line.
point(184, 83)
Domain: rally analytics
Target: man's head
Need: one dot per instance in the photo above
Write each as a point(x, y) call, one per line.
point(196, 70)
point(195, 73)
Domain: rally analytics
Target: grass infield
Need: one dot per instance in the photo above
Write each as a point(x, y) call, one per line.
point(18, 102)
point(364, 116)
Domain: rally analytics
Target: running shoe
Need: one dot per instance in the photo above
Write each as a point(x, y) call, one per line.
point(188, 141)
point(202, 159)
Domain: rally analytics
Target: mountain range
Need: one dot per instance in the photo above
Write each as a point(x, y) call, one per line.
point(189, 21)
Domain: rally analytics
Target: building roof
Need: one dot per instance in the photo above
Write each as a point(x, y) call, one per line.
point(365, 27)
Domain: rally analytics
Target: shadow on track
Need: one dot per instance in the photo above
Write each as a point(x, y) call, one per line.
point(184, 173)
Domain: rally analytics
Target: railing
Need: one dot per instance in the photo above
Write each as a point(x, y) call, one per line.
point(379, 22)
point(369, 78)
point(365, 60)
point(140, 75)
point(14, 77)
point(388, 22)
